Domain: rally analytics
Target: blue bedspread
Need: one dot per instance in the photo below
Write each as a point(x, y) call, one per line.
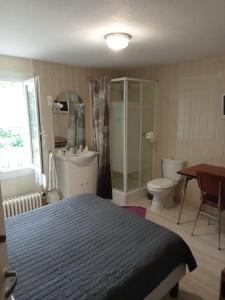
point(85, 247)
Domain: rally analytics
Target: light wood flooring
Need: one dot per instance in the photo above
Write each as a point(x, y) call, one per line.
point(204, 282)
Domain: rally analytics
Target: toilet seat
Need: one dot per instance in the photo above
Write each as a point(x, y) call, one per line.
point(160, 183)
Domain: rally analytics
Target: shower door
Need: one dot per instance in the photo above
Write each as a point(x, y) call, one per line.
point(140, 124)
point(131, 125)
point(117, 134)
point(133, 130)
point(147, 134)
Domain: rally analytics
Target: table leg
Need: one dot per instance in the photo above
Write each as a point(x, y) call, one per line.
point(222, 285)
point(182, 198)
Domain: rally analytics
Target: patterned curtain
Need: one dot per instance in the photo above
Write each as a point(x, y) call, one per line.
point(100, 95)
point(76, 121)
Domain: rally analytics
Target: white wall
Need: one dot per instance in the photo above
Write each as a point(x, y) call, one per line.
point(13, 68)
point(19, 186)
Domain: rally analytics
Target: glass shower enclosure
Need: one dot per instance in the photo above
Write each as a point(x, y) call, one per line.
point(132, 137)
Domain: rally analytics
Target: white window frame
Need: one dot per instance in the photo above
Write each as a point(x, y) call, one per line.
point(23, 171)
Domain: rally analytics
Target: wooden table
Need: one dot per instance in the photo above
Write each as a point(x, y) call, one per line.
point(191, 173)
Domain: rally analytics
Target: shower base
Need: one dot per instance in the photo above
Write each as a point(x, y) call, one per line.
point(122, 198)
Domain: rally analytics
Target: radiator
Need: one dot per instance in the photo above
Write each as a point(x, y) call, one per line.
point(21, 204)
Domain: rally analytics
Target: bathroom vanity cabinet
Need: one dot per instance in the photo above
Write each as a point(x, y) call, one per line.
point(74, 179)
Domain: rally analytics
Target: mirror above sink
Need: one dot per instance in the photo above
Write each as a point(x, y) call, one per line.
point(69, 120)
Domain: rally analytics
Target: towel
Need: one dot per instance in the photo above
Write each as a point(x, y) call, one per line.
point(52, 175)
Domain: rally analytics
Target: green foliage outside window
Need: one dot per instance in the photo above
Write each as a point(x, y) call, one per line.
point(10, 138)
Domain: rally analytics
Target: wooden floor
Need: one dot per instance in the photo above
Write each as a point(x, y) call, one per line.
point(203, 283)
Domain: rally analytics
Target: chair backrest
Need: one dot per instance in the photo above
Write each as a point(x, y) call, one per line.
point(210, 184)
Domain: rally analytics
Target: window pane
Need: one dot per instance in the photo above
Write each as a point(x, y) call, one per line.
point(34, 124)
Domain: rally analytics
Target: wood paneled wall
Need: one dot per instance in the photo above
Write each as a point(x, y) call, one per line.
point(57, 78)
point(189, 113)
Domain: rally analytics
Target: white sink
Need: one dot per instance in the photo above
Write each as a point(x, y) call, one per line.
point(83, 158)
point(76, 173)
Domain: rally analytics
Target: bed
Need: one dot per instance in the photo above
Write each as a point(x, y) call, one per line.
point(85, 247)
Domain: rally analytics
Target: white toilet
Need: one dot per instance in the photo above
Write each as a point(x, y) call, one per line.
point(162, 189)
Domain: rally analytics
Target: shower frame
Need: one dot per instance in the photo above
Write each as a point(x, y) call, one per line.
point(124, 195)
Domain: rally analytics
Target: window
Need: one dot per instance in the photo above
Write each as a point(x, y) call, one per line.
point(19, 131)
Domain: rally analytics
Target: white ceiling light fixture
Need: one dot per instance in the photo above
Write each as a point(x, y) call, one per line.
point(117, 40)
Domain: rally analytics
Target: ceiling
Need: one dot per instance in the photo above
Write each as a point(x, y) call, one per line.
point(72, 31)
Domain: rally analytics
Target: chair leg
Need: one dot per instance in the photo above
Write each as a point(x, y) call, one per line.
point(219, 223)
point(209, 218)
point(196, 219)
point(174, 292)
point(209, 221)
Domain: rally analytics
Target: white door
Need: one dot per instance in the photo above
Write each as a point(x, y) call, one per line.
point(90, 178)
point(4, 284)
point(75, 180)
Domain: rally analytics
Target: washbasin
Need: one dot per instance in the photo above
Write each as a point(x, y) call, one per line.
point(83, 158)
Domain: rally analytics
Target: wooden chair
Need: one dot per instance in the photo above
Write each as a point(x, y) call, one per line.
point(212, 189)
point(222, 285)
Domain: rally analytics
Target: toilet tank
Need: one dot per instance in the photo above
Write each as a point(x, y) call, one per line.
point(170, 168)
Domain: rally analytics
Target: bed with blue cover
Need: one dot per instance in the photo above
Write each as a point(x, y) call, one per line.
point(85, 247)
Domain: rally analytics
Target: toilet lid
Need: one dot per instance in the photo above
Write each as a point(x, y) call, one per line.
point(161, 183)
